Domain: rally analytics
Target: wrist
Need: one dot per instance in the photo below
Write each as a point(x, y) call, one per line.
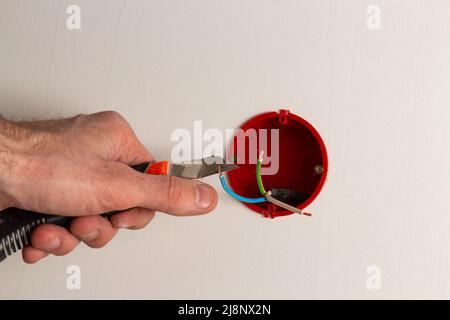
point(6, 162)
point(21, 137)
point(12, 136)
point(10, 142)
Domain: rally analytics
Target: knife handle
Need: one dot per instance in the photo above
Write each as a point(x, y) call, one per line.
point(17, 225)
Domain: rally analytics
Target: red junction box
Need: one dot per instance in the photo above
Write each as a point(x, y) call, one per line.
point(303, 161)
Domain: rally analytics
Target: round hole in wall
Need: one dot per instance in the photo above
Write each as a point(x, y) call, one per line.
point(301, 165)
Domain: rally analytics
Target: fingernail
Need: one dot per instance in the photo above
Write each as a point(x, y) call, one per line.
point(204, 196)
point(52, 245)
point(89, 236)
point(121, 225)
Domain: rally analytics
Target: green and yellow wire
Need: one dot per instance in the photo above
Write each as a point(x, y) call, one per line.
point(258, 175)
point(268, 195)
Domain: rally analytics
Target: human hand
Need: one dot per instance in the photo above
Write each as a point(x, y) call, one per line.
point(81, 167)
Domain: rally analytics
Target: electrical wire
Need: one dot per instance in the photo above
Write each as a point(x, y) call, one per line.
point(283, 204)
point(268, 194)
point(236, 196)
point(258, 174)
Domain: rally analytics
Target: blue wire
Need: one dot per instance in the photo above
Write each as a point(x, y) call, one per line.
point(238, 197)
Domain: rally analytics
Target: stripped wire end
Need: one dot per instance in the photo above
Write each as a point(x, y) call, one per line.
point(261, 154)
point(258, 174)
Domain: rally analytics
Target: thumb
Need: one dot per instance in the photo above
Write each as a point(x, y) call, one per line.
point(175, 195)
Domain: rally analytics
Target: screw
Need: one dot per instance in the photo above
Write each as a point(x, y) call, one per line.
point(318, 168)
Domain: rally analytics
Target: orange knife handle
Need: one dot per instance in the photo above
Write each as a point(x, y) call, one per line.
point(159, 168)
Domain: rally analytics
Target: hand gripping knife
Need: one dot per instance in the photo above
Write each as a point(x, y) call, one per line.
point(16, 225)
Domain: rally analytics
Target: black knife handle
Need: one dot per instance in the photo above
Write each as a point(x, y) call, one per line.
point(16, 225)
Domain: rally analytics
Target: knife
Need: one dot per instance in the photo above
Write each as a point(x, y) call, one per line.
point(16, 225)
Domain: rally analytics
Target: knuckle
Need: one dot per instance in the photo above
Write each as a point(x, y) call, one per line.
point(112, 117)
point(111, 120)
point(109, 189)
point(80, 120)
point(174, 190)
point(171, 192)
point(63, 253)
point(80, 117)
point(115, 124)
point(106, 120)
point(29, 260)
point(95, 245)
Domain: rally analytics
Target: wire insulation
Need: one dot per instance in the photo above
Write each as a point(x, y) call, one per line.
point(283, 204)
point(238, 197)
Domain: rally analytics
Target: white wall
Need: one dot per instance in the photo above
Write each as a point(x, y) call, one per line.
point(380, 99)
